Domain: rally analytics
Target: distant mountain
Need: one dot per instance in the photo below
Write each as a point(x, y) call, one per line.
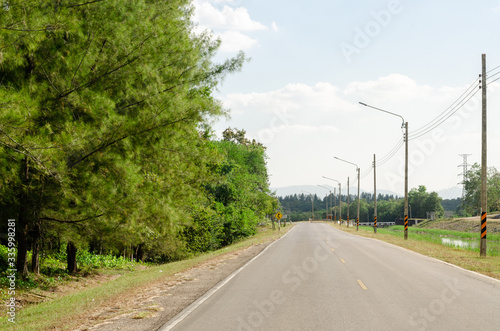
point(320, 191)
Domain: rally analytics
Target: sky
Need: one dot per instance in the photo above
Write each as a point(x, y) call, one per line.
point(312, 62)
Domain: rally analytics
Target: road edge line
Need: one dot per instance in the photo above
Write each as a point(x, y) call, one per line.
point(429, 257)
point(193, 306)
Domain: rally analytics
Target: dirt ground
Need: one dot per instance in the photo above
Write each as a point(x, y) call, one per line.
point(35, 296)
point(156, 304)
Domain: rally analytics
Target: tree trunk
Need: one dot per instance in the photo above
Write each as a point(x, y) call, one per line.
point(139, 253)
point(35, 263)
point(22, 248)
point(71, 257)
point(22, 231)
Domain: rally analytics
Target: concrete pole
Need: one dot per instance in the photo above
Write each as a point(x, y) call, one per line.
point(340, 203)
point(484, 169)
point(334, 210)
point(331, 203)
point(326, 203)
point(312, 206)
point(357, 218)
point(347, 201)
point(374, 195)
point(406, 181)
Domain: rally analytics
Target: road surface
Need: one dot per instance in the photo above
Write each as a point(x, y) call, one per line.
point(319, 278)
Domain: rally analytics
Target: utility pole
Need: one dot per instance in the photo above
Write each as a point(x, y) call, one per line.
point(406, 180)
point(312, 206)
point(340, 203)
point(347, 201)
point(357, 218)
point(333, 207)
point(374, 196)
point(326, 202)
point(484, 201)
point(331, 202)
point(405, 125)
point(340, 198)
point(357, 169)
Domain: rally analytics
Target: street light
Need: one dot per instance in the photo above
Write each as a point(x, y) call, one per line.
point(357, 169)
point(340, 200)
point(312, 203)
point(326, 198)
point(405, 125)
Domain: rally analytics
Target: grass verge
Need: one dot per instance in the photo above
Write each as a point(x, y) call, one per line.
point(425, 245)
point(64, 313)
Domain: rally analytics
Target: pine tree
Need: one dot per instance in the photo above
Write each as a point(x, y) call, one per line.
point(95, 94)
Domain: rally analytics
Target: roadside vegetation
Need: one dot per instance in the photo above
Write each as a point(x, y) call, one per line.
point(457, 239)
point(106, 144)
point(389, 207)
point(66, 310)
point(430, 242)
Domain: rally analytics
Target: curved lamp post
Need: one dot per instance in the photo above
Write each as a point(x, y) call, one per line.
point(340, 195)
point(405, 125)
point(357, 169)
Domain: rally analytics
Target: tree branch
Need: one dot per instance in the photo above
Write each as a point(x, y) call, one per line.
point(64, 221)
point(27, 153)
point(112, 142)
point(85, 3)
point(81, 61)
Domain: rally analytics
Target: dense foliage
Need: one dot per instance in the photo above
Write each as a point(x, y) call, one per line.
point(105, 141)
point(389, 207)
point(472, 200)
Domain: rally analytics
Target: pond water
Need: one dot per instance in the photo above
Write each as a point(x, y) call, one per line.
point(462, 243)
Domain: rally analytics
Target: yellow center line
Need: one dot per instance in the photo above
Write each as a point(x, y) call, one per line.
point(362, 285)
point(333, 250)
point(342, 260)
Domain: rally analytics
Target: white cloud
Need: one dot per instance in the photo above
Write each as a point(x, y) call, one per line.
point(300, 98)
point(233, 41)
point(226, 19)
point(497, 8)
point(230, 24)
point(321, 120)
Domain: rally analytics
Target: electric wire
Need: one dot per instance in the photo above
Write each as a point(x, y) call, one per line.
point(445, 113)
point(391, 153)
point(492, 69)
point(489, 76)
point(448, 115)
point(492, 81)
point(461, 101)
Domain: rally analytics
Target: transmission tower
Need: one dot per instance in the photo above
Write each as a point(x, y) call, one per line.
point(464, 172)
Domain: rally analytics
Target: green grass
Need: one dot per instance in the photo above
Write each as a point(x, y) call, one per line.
point(435, 236)
point(428, 242)
point(64, 313)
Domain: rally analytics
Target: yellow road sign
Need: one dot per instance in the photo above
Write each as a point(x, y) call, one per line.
point(279, 215)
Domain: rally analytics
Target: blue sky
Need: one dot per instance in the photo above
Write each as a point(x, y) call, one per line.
point(311, 62)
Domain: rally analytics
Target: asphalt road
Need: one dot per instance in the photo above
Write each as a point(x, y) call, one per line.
point(319, 278)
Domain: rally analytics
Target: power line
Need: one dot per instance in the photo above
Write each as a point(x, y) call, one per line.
point(450, 113)
point(445, 114)
point(492, 69)
point(488, 76)
point(493, 81)
point(393, 152)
